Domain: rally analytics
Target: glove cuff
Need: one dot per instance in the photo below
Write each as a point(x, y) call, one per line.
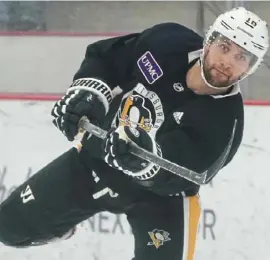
point(95, 86)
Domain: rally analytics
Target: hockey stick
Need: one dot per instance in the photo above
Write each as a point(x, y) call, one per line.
point(195, 177)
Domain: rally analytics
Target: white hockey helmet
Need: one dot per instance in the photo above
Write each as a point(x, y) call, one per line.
point(245, 29)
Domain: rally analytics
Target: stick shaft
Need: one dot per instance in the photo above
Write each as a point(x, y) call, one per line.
point(198, 178)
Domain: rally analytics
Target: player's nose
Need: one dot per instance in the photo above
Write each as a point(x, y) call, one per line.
point(226, 66)
point(227, 62)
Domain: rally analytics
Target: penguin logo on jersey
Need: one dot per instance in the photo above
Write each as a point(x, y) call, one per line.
point(158, 238)
point(136, 114)
point(140, 108)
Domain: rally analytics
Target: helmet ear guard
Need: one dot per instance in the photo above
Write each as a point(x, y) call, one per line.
point(245, 29)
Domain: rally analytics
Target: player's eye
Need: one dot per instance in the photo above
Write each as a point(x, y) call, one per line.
point(241, 57)
point(224, 47)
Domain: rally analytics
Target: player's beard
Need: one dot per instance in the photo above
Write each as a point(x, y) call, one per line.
point(217, 77)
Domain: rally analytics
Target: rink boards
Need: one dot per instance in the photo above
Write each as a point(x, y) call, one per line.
point(235, 206)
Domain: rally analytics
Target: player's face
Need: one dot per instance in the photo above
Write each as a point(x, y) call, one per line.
point(225, 62)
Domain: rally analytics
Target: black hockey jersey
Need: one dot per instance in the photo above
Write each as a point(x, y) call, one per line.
point(151, 67)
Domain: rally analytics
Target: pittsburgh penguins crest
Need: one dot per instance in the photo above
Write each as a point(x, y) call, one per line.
point(158, 237)
point(140, 108)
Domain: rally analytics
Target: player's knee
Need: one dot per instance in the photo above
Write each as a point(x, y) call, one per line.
point(12, 230)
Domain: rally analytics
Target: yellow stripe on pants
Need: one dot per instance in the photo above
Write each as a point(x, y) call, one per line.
point(193, 223)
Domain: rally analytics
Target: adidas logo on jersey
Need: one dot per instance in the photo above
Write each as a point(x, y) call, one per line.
point(177, 117)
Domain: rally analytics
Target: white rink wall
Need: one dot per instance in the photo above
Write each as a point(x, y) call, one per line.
point(41, 63)
point(235, 217)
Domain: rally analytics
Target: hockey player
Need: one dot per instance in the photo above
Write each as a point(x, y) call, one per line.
point(180, 98)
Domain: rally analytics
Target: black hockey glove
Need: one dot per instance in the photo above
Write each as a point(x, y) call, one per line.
point(86, 97)
point(116, 150)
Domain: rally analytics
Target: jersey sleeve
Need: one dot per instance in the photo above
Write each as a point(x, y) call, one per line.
point(106, 65)
point(108, 60)
point(161, 51)
point(195, 143)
